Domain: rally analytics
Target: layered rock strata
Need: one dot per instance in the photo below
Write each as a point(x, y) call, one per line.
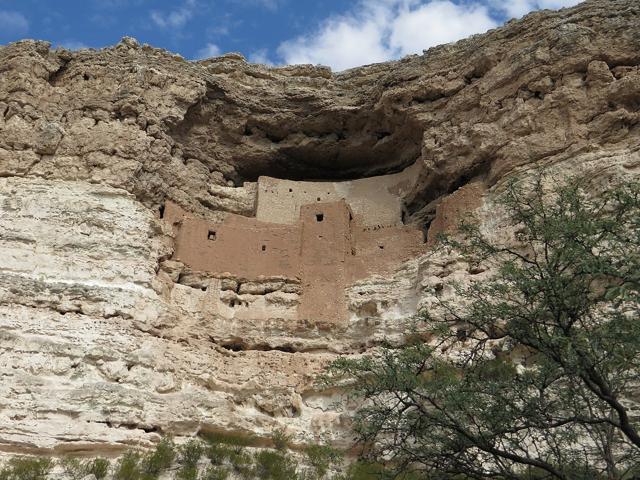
point(110, 338)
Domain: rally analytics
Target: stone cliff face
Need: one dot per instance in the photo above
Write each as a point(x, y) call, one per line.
point(111, 338)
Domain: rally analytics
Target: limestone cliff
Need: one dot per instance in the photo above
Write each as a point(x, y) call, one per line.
point(112, 335)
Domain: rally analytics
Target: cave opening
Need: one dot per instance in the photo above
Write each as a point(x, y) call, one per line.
point(303, 141)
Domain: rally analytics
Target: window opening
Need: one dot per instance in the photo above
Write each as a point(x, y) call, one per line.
point(264, 248)
point(319, 217)
point(212, 235)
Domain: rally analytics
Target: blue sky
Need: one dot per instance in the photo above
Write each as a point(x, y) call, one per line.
point(338, 33)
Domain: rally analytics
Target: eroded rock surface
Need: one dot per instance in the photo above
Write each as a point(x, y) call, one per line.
point(108, 339)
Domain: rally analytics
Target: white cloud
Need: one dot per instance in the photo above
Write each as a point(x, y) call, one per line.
point(209, 50)
point(436, 23)
point(13, 23)
point(73, 45)
point(518, 8)
point(260, 56)
point(175, 19)
point(343, 42)
point(555, 4)
point(379, 30)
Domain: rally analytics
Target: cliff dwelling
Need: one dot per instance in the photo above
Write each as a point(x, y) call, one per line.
point(320, 237)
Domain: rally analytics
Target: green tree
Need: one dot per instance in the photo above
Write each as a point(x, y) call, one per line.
point(531, 369)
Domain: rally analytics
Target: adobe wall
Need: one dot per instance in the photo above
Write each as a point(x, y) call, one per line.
point(240, 245)
point(327, 249)
point(377, 200)
point(380, 249)
point(451, 211)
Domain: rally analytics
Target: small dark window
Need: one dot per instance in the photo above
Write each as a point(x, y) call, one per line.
point(161, 210)
point(319, 217)
point(212, 235)
point(462, 334)
point(290, 190)
point(381, 247)
point(264, 248)
point(318, 198)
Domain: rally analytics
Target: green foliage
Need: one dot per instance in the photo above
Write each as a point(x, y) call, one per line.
point(230, 448)
point(78, 469)
point(550, 344)
point(225, 438)
point(215, 473)
point(322, 457)
point(241, 462)
point(190, 454)
point(99, 467)
point(73, 467)
point(26, 468)
point(128, 467)
point(280, 439)
point(274, 465)
point(152, 464)
point(218, 453)
point(364, 470)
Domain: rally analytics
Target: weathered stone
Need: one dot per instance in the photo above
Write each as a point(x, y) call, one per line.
point(108, 339)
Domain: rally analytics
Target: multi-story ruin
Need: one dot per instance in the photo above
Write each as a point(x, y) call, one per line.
point(326, 235)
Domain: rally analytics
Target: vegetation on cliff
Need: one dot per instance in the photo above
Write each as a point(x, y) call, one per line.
point(214, 456)
point(531, 372)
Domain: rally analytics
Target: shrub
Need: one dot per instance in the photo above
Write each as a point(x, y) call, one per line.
point(128, 467)
point(218, 453)
point(275, 466)
point(27, 468)
point(160, 459)
point(363, 470)
point(187, 472)
point(321, 457)
point(280, 439)
point(215, 473)
point(241, 462)
point(190, 454)
point(77, 469)
point(98, 467)
point(73, 467)
point(229, 439)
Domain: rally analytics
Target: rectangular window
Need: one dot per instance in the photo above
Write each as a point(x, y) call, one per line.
point(212, 235)
point(319, 217)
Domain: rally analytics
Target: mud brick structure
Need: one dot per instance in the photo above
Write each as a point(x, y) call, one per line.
point(326, 248)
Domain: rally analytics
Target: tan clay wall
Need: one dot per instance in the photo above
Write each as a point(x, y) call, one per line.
point(326, 245)
point(379, 250)
point(328, 248)
point(378, 200)
point(242, 246)
point(453, 208)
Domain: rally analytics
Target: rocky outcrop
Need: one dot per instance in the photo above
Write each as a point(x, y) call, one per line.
point(108, 341)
